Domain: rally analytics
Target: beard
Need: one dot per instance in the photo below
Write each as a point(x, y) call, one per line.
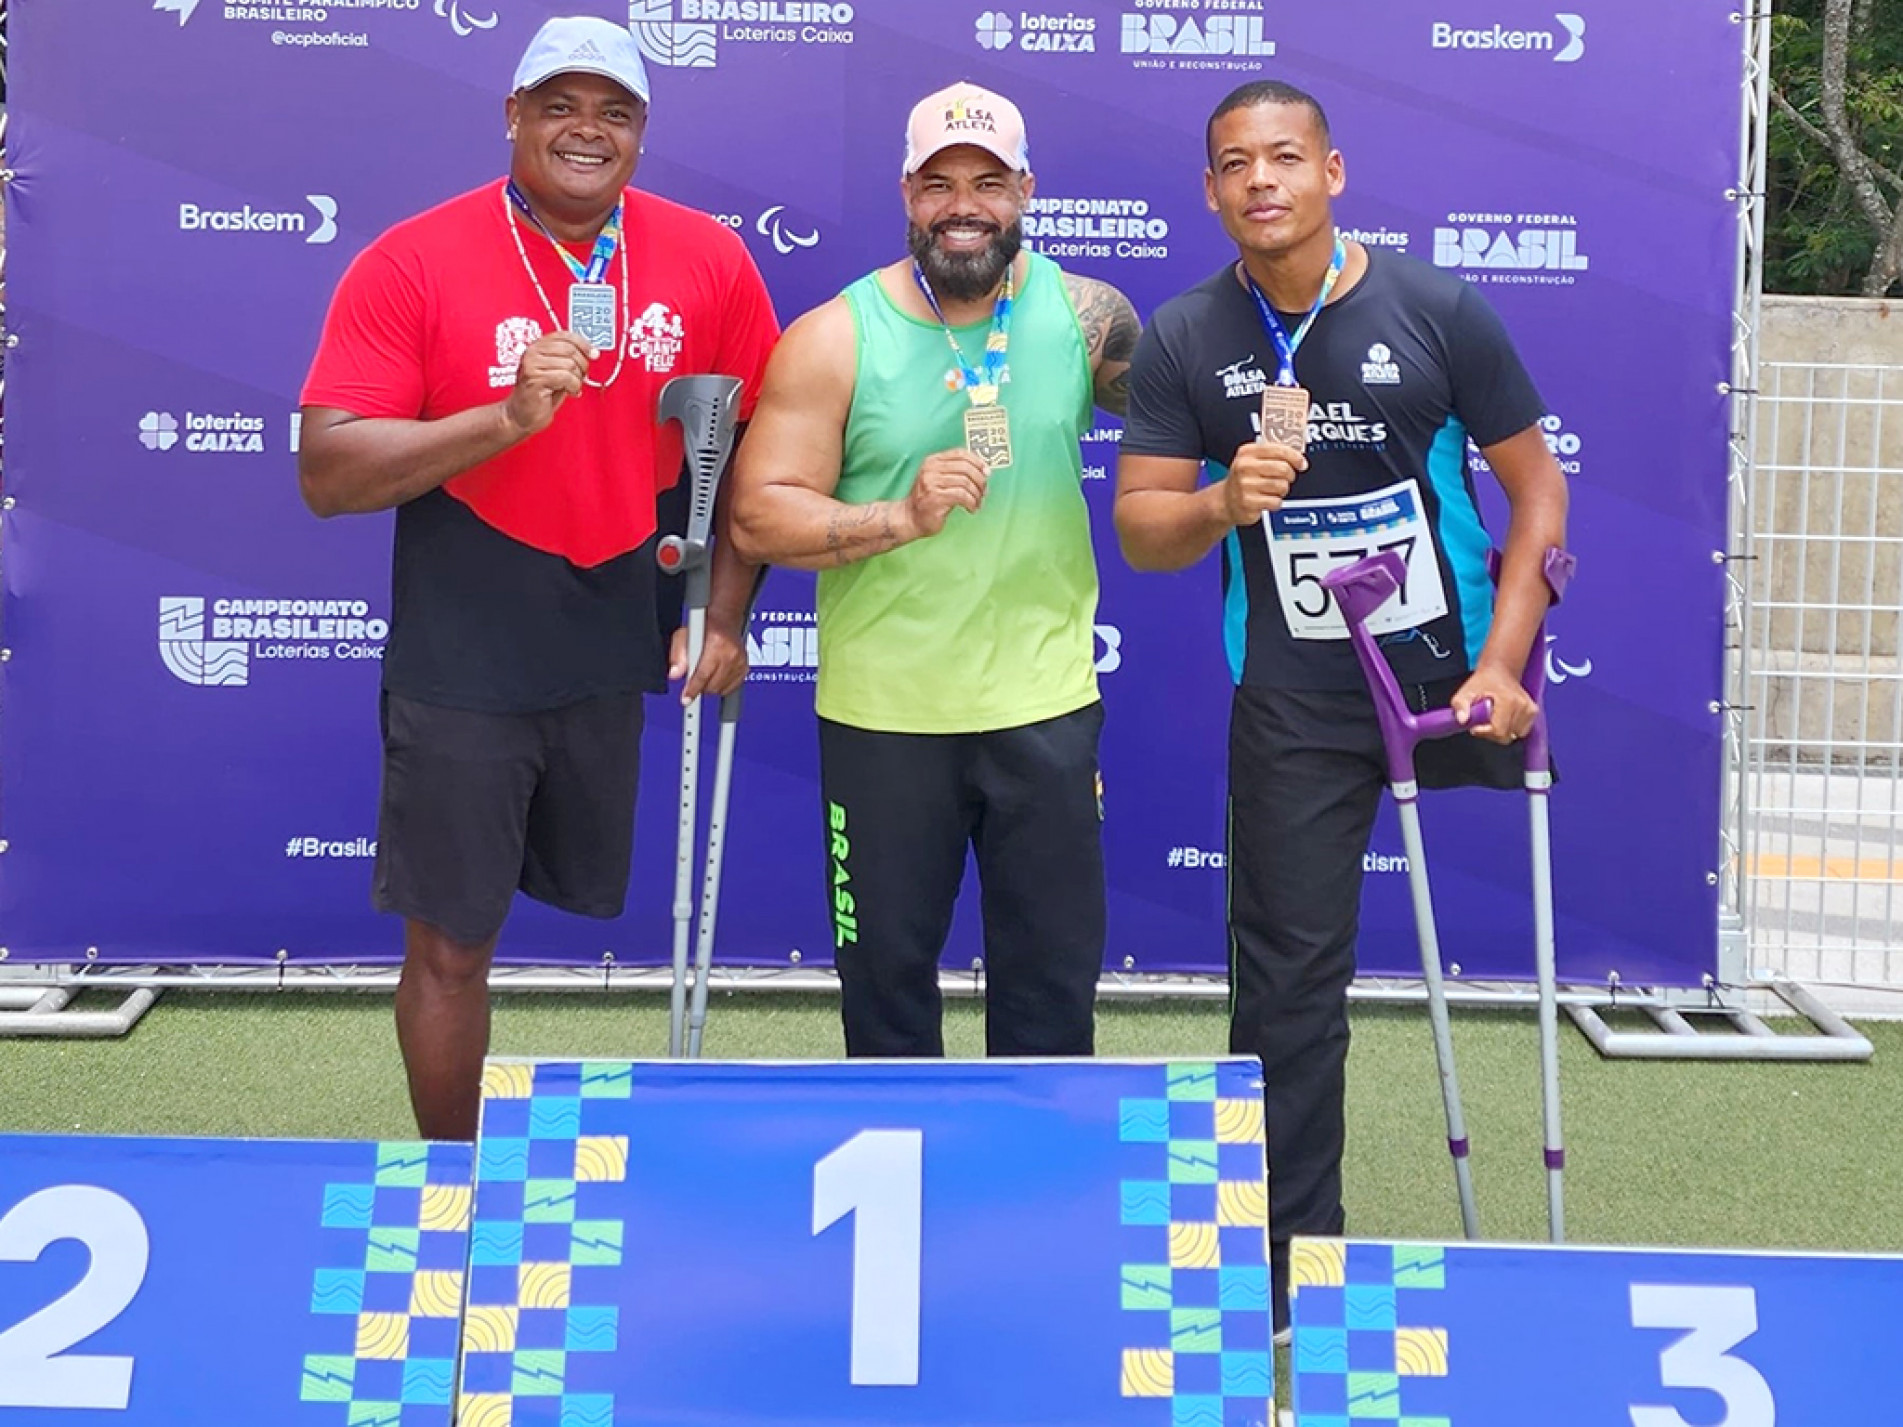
point(964, 277)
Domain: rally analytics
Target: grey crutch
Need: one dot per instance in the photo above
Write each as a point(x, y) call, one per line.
point(707, 409)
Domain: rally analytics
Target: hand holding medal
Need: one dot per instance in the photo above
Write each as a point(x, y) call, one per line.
point(947, 481)
point(1262, 473)
point(1285, 405)
point(1259, 480)
point(591, 297)
point(554, 368)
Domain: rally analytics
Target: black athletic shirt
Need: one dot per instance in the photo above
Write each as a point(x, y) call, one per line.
point(1402, 371)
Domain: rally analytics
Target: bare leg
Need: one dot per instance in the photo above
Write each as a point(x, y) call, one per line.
point(442, 1024)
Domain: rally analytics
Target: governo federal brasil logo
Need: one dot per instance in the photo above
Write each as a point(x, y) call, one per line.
point(1504, 247)
point(687, 34)
point(1196, 41)
point(783, 647)
point(213, 643)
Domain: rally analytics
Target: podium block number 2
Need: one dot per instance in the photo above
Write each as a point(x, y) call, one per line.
point(878, 1177)
point(33, 1372)
point(1717, 1319)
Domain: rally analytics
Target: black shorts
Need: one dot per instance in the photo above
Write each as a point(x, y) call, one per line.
point(477, 806)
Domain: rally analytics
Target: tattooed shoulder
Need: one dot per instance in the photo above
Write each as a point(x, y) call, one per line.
point(1108, 320)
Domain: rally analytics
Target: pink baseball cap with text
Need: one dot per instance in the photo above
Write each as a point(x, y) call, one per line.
point(964, 113)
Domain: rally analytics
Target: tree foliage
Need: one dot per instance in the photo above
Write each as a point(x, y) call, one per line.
point(1834, 224)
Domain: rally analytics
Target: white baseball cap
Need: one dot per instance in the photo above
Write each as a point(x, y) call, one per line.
point(583, 44)
point(963, 113)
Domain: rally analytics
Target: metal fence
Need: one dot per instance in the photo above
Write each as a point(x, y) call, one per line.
point(1822, 687)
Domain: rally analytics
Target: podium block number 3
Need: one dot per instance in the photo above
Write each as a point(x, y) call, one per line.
point(1717, 1319)
point(33, 1372)
point(878, 1177)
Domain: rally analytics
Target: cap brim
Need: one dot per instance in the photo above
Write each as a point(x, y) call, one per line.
point(1017, 163)
point(582, 69)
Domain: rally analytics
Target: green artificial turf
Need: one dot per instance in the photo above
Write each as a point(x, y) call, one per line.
point(1710, 1154)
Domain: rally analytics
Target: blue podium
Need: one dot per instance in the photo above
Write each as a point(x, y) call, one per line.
point(1066, 1244)
point(153, 1282)
point(1503, 1335)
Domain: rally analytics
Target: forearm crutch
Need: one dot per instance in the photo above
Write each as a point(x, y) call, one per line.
point(1361, 589)
point(1558, 569)
point(707, 409)
point(710, 881)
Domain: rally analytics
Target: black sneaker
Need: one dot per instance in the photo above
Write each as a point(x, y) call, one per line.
point(1278, 1292)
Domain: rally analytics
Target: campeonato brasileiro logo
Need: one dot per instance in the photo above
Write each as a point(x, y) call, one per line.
point(1095, 227)
point(215, 648)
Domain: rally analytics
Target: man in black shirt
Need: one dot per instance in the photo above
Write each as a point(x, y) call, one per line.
point(1381, 370)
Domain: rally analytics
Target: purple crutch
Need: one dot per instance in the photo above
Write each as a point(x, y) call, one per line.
point(1361, 589)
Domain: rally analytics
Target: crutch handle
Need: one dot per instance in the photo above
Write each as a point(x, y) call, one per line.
point(1558, 569)
point(1445, 723)
point(1361, 589)
point(676, 555)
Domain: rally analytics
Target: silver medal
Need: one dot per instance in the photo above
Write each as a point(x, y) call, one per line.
point(591, 314)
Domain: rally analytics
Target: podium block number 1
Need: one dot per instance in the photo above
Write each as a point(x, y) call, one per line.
point(878, 1177)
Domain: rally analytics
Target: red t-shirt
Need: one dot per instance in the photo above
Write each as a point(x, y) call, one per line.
point(433, 316)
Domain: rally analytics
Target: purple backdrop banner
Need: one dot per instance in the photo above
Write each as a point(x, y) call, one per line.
point(188, 733)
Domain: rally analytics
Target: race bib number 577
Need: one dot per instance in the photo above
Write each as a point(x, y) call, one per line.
point(1308, 538)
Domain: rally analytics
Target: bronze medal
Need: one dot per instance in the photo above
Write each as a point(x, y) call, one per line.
point(1285, 416)
point(988, 435)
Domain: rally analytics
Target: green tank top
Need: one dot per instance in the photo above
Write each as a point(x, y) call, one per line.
point(987, 624)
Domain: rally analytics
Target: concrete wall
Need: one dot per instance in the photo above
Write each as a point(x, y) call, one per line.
point(1827, 511)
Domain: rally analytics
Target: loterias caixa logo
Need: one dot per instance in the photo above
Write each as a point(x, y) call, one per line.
point(688, 34)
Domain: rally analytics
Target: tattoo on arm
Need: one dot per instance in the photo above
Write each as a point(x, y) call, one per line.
point(1110, 330)
point(856, 532)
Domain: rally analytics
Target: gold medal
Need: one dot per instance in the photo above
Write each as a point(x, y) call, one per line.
point(988, 435)
point(1285, 416)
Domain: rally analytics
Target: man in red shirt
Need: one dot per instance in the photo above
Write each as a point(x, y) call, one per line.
point(489, 369)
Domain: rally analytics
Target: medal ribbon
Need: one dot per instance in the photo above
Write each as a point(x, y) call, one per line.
point(982, 389)
point(606, 241)
point(1285, 345)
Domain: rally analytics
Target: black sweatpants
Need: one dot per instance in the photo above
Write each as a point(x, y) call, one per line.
point(1306, 773)
point(900, 811)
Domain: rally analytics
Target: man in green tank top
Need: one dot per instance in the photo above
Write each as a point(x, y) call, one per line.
point(916, 442)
